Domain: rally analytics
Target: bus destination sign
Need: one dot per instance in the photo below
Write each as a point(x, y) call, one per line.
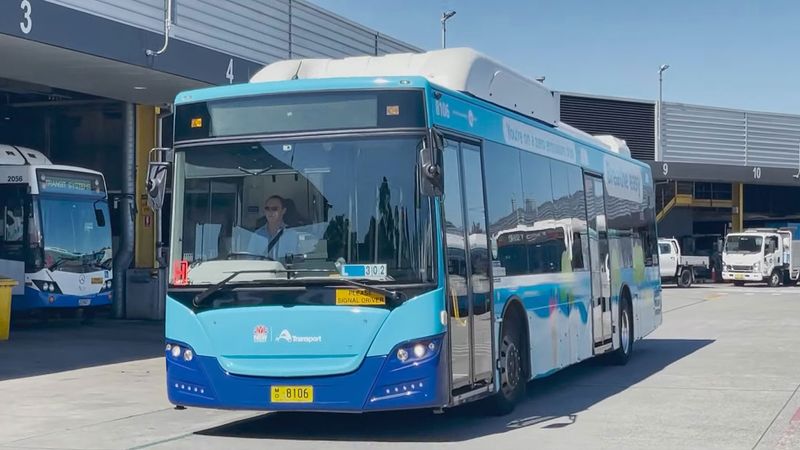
point(69, 182)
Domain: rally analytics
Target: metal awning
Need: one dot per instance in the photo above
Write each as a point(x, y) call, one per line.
point(719, 173)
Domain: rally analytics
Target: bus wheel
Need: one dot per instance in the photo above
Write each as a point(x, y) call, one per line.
point(623, 353)
point(774, 279)
point(512, 377)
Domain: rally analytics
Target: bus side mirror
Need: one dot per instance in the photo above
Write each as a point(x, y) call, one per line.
point(157, 178)
point(430, 164)
point(99, 217)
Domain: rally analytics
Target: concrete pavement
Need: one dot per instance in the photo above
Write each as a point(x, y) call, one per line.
point(723, 371)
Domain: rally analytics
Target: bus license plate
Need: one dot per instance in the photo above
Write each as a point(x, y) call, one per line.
point(292, 394)
point(84, 302)
point(738, 276)
point(352, 297)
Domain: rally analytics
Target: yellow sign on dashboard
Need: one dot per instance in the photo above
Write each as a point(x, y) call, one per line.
point(352, 297)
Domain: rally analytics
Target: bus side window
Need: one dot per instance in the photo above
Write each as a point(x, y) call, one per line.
point(12, 234)
point(577, 252)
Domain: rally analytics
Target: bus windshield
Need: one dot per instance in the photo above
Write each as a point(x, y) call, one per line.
point(743, 244)
point(301, 204)
point(73, 239)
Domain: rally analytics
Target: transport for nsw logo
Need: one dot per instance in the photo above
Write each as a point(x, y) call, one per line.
point(260, 334)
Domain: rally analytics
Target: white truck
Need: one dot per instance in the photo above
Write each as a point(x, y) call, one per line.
point(678, 267)
point(770, 255)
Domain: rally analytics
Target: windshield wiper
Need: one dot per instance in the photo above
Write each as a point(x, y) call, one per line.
point(200, 298)
point(60, 261)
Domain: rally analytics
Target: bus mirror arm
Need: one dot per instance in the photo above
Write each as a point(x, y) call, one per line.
point(99, 216)
point(157, 177)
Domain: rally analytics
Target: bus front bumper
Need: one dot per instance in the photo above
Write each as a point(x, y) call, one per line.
point(742, 276)
point(36, 299)
point(380, 383)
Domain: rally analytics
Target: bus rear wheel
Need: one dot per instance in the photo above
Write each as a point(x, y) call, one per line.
point(512, 376)
point(622, 355)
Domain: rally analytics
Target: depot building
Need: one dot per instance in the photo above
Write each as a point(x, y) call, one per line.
point(717, 170)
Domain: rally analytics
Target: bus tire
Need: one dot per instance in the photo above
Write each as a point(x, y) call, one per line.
point(774, 279)
point(622, 355)
point(511, 373)
point(685, 278)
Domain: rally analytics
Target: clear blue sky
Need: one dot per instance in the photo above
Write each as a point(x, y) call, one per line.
point(730, 53)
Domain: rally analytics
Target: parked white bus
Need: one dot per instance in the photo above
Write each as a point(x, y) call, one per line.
point(55, 240)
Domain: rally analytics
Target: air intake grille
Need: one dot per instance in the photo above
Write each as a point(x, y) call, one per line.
point(632, 121)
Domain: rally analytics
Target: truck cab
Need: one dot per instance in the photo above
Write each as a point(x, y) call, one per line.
point(761, 255)
point(678, 267)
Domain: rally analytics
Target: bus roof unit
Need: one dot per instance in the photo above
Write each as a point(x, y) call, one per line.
point(13, 155)
point(459, 69)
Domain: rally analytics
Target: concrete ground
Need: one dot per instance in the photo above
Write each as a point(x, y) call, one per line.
point(723, 372)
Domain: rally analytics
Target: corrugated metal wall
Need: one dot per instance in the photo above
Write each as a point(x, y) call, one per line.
point(702, 134)
point(258, 30)
point(630, 120)
point(147, 14)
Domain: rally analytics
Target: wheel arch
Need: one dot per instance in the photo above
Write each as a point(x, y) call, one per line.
point(514, 310)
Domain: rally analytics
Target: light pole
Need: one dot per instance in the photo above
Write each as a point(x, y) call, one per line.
point(446, 15)
point(659, 156)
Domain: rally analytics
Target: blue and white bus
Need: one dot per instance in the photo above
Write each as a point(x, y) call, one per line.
point(396, 232)
point(55, 240)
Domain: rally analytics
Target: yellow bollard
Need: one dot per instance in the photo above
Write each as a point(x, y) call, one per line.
point(5, 306)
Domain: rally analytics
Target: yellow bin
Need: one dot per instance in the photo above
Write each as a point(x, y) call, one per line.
point(5, 306)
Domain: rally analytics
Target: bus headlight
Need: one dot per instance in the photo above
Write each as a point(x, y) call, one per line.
point(176, 351)
point(417, 350)
point(402, 355)
point(50, 287)
point(188, 355)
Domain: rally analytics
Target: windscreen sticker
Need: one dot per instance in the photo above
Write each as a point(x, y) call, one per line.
point(377, 271)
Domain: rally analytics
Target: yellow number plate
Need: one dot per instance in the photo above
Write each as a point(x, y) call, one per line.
point(292, 394)
point(353, 297)
point(97, 280)
point(738, 276)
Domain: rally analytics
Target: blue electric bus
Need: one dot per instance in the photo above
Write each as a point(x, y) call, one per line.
point(396, 232)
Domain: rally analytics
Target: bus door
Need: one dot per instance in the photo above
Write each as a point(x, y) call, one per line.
point(600, 260)
point(469, 293)
point(13, 233)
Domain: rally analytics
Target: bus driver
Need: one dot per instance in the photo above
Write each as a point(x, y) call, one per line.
point(278, 240)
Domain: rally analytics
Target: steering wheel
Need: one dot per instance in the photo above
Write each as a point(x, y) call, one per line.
point(235, 255)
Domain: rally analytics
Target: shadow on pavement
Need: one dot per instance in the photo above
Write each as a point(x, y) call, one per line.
point(39, 348)
point(553, 402)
